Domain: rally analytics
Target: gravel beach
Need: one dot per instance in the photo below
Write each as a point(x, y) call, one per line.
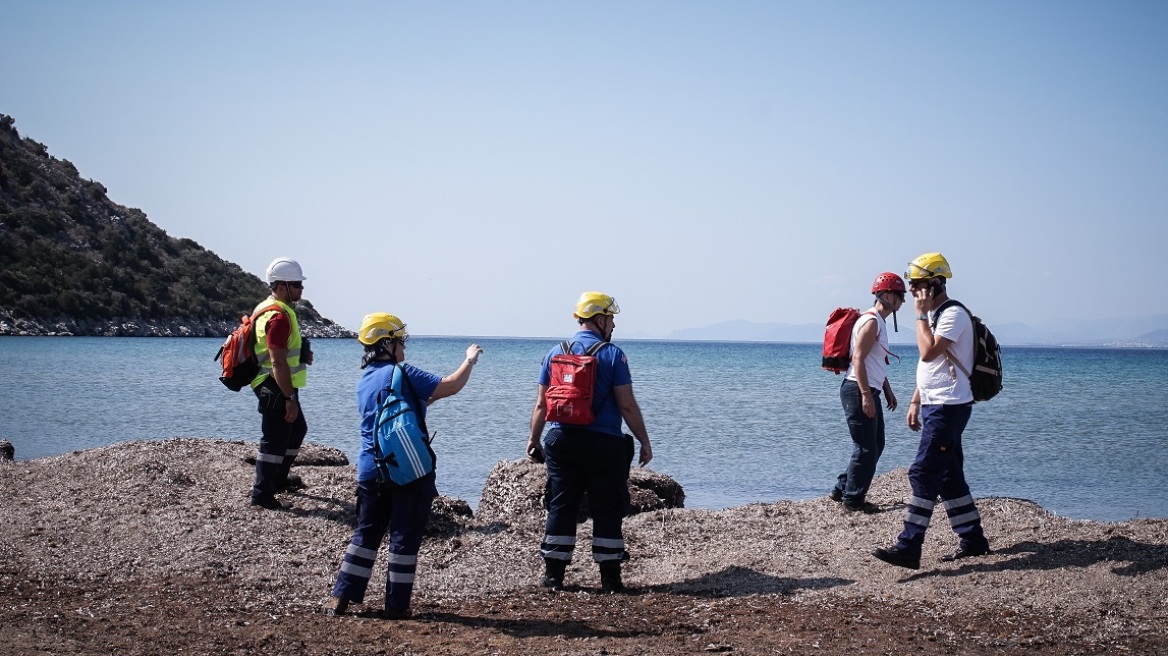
point(152, 548)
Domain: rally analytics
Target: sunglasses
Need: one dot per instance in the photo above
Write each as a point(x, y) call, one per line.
point(295, 285)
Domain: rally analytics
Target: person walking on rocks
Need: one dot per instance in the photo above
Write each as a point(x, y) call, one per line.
point(591, 453)
point(283, 357)
point(940, 409)
point(860, 393)
point(402, 510)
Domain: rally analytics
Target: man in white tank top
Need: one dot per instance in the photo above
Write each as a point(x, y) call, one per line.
point(860, 393)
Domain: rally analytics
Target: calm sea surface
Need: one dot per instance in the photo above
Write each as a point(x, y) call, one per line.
point(1083, 432)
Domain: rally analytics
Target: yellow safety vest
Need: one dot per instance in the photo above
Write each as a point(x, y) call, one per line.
point(298, 370)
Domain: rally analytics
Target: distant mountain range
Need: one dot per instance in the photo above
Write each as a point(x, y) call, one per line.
point(1147, 331)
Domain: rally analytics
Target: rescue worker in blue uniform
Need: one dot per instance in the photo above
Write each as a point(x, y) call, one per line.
point(940, 409)
point(594, 457)
point(402, 510)
point(283, 355)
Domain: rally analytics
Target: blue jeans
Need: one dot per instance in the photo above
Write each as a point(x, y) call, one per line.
point(867, 443)
point(581, 460)
point(939, 471)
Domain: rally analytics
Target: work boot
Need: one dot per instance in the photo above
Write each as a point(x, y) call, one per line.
point(553, 573)
point(900, 557)
point(292, 484)
point(335, 606)
point(610, 577)
point(269, 503)
point(394, 614)
point(967, 551)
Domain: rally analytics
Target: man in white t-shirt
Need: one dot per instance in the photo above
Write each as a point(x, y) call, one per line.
point(940, 408)
point(860, 393)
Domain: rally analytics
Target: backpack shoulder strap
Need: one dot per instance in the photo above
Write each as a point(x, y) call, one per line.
point(595, 348)
point(566, 347)
point(937, 318)
point(266, 309)
point(401, 371)
point(945, 306)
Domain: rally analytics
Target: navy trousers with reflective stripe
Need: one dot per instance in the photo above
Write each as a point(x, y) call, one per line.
point(939, 471)
point(403, 510)
point(579, 460)
point(280, 443)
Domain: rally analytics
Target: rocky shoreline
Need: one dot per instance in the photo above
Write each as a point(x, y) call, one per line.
point(151, 547)
point(128, 327)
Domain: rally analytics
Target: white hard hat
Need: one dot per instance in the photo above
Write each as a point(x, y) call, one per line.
point(283, 269)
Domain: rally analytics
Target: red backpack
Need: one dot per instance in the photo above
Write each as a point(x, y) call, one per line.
point(240, 364)
point(569, 393)
point(837, 340)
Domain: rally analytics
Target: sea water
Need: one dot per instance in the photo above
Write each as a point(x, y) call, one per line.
point(1080, 431)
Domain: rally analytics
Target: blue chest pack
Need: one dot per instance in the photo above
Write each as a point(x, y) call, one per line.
point(401, 443)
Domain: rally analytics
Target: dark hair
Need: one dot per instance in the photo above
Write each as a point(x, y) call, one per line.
point(382, 349)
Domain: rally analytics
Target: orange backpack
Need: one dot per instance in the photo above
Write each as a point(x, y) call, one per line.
point(240, 364)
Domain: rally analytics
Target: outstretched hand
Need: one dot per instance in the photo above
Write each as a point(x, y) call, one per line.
point(473, 352)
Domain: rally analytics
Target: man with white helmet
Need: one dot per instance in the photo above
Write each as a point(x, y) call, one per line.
point(283, 356)
point(940, 409)
point(593, 457)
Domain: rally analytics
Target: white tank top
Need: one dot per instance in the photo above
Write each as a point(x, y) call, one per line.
point(875, 363)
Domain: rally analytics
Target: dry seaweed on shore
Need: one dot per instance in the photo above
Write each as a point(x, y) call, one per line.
point(147, 515)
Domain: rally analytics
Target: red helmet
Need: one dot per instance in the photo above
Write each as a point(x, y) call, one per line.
point(888, 282)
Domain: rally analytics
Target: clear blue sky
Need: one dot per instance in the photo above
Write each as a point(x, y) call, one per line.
point(474, 166)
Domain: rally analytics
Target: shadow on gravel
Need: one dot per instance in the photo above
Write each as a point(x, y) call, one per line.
point(1139, 557)
point(738, 581)
point(526, 628)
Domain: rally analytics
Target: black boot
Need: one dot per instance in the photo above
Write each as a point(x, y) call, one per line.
point(553, 573)
point(610, 577)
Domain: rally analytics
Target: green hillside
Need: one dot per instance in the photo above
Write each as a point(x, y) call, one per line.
point(73, 261)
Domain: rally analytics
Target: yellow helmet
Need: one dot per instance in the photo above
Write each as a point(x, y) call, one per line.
point(929, 265)
point(594, 303)
point(378, 326)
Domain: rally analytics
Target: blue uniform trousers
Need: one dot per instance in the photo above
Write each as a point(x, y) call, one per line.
point(867, 443)
point(280, 443)
point(580, 460)
point(938, 471)
point(403, 510)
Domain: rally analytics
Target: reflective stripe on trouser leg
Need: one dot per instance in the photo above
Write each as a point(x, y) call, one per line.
point(407, 525)
point(563, 451)
point(607, 549)
point(965, 520)
point(359, 557)
point(916, 521)
point(936, 471)
point(608, 498)
point(278, 437)
point(558, 547)
point(298, 429)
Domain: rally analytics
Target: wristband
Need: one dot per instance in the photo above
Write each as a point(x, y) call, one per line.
point(922, 317)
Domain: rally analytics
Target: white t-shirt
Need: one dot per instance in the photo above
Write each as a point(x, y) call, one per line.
point(940, 381)
point(874, 365)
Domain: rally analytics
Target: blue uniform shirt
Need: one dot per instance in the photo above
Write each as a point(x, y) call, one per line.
point(612, 370)
point(375, 379)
